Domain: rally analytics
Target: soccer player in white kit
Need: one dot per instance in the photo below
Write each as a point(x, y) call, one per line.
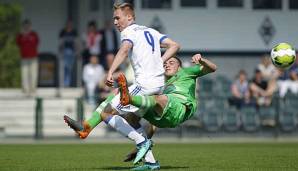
point(145, 45)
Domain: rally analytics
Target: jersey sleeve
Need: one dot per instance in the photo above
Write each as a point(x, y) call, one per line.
point(194, 71)
point(160, 36)
point(128, 35)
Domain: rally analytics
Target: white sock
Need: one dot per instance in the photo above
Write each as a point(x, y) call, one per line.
point(149, 156)
point(121, 125)
point(142, 131)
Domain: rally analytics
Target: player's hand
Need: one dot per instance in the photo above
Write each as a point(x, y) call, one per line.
point(196, 58)
point(109, 80)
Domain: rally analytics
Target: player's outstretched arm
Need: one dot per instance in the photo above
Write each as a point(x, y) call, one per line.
point(172, 48)
point(120, 57)
point(207, 65)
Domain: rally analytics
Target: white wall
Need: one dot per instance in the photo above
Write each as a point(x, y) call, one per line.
point(208, 29)
point(222, 29)
point(85, 15)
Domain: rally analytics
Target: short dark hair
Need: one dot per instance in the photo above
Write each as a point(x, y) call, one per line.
point(178, 59)
point(257, 70)
point(92, 23)
point(26, 21)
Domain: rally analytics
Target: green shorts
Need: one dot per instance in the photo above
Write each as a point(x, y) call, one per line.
point(174, 114)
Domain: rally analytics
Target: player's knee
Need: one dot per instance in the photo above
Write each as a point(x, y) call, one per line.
point(133, 120)
point(108, 111)
point(161, 99)
point(104, 115)
point(154, 129)
point(157, 98)
point(151, 130)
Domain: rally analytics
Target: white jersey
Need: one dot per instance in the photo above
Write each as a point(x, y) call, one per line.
point(145, 55)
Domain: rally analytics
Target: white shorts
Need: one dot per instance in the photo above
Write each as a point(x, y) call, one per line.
point(133, 90)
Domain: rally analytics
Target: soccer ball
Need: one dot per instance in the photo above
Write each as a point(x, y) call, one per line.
point(283, 55)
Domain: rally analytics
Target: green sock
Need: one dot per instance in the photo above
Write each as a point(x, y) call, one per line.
point(95, 118)
point(143, 102)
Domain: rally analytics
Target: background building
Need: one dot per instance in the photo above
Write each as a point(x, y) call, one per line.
point(238, 28)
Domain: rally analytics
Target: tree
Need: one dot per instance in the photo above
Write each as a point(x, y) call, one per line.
point(10, 19)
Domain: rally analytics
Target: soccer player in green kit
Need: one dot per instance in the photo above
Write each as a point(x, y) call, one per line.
point(178, 102)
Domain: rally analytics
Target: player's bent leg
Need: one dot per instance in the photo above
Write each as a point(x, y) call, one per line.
point(123, 127)
point(96, 118)
point(148, 166)
point(155, 103)
point(133, 120)
point(124, 98)
point(143, 102)
point(107, 112)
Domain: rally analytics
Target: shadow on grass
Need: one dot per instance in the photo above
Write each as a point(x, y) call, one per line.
point(128, 168)
point(114, 168)
point(173, 167)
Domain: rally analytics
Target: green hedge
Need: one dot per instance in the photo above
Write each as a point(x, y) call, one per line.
point(10, 19)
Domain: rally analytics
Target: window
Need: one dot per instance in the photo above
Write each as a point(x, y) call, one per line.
point(193, 3)
point(293, 4)
point(266, 4)
point(93, 5)
point(129, 1)
point(230, 3)
point(157, 4)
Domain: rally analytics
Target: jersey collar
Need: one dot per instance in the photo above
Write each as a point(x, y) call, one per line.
point(129, 25)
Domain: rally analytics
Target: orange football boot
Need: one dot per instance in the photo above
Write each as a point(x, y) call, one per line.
point(82, 129)
point(123, 88)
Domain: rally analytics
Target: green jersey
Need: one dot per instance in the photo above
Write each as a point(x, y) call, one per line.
point(183, 86)
point(180, 90)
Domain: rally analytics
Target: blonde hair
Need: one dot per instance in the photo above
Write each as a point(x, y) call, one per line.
point(127, 8)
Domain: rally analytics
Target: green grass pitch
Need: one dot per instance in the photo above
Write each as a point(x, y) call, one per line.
point(91, 157)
